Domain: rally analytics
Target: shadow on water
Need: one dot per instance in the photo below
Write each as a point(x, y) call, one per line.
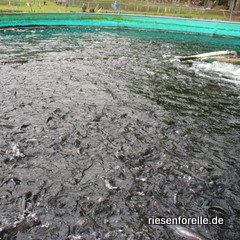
point(102, 129)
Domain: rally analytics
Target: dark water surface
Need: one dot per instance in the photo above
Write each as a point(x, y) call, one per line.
point(101, 129)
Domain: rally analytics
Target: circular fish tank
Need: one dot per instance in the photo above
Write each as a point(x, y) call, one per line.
point(103, 129)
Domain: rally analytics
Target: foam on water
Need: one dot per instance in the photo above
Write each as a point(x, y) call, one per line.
point(226, 71)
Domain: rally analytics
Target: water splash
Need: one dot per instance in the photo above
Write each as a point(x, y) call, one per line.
point(226, 71)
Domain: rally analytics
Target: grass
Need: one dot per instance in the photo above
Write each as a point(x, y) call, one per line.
point(37, 6)
point(133, 7)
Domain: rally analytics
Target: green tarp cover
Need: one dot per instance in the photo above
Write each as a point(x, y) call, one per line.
point(207, 27)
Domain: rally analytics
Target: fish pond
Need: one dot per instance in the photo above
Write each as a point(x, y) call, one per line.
point(102, 129)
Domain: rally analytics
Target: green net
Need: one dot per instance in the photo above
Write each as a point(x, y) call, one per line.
point(183, 25)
